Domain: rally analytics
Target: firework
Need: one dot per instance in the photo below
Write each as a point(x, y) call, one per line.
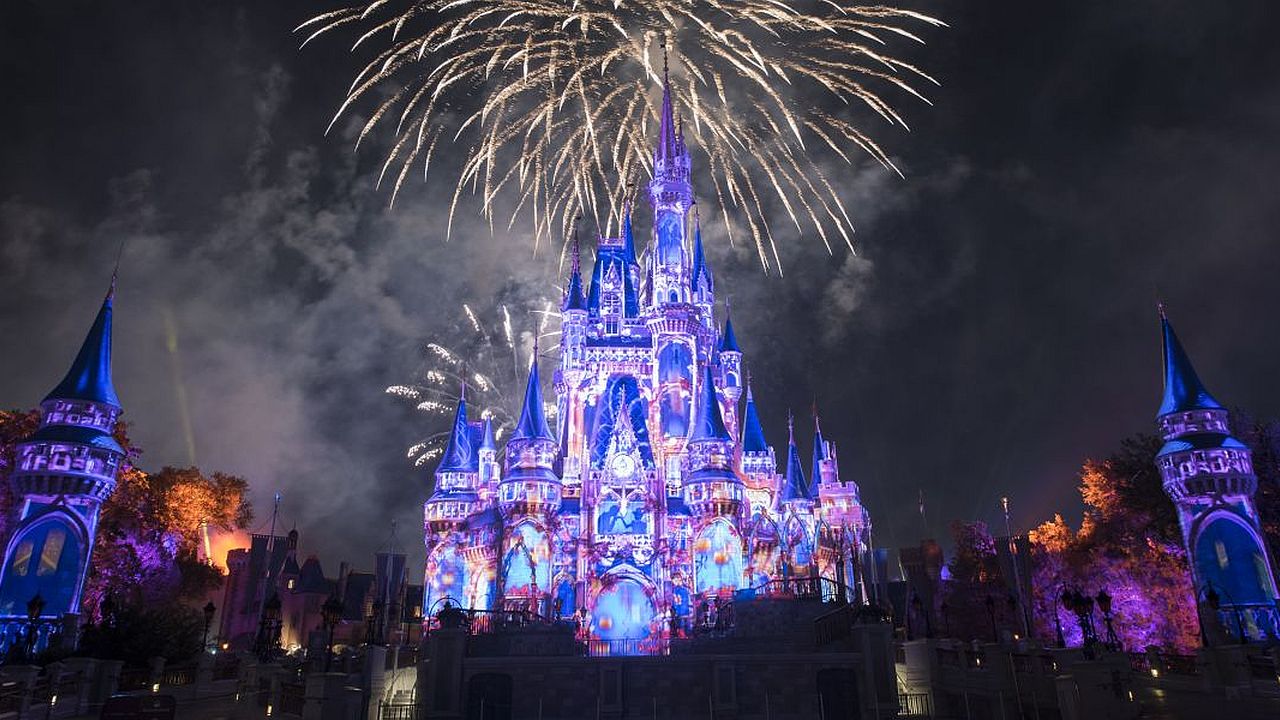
point(489, 362)
point(551, 98)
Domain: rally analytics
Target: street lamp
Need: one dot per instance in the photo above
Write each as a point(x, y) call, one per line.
point(331, 611)
point(1215, 602)
point(209, 610)
point(267, 628)
point(991, 614)
point(1104, 604)
point(35, 606)
point(1063, 601)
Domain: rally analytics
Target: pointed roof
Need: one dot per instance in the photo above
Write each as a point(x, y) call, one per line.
point(574, 298)
point(729, 340)
point(700, 269)
point(488, 442)
point(794, 486)
point(458, 454)
point(628, 236)
point(752, 433)
point(90, 375)
point(708, 424)
point(668, 136)
point(533, 419)
point(819, 449)
point(1182, 387)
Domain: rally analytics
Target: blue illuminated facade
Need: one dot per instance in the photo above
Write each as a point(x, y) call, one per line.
point(1209, 475)
point(657, 490)
point(63, 473)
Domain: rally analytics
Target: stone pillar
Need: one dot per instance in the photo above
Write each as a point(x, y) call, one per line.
point(203, 685)
point(155, 675)
point(443, 690)
point(877, 683)
point(69, 637)
point(374, 678)
point(108, 681)
point(86, 673)
point(325, 697)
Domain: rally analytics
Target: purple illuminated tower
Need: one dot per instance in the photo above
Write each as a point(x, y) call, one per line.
point(64, 472)
point(1209, 475)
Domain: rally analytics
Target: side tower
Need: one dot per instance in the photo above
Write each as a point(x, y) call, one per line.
point(795, 509)
point(842, 521)
point(455, 498)
point(1209, 476)
point(671, 195)
point(529, 498)
point(714, 494)
point(63, 474)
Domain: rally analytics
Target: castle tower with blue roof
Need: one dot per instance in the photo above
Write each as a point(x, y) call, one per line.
point(63, 474)
point(657, 491)
point(1209, 476)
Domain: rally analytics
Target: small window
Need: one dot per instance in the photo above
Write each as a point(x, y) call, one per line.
point(52, 552)
point(22, 558)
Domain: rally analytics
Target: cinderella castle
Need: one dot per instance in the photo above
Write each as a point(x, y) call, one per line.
point(657, 493)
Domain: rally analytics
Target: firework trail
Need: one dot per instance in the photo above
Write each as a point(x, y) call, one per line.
point(490, 361)
point(551, 98)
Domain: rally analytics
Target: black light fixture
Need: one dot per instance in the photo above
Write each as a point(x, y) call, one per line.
point(209, 610)
point(331, 611)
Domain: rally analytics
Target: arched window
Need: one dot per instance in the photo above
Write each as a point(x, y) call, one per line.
point(45, 559)
point(1228, 557)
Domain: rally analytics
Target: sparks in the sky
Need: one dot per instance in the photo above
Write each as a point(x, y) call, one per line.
point(487, 363)
point(551, 98)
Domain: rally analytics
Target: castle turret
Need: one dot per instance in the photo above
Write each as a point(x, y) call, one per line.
point(457, 476)
point(671, 195)
point(63, 474)
point(1209, 476)
point(795, 489)
point(530, 486)
point(712, 487)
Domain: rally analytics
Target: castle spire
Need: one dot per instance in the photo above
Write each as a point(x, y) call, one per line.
point(794, 486)
point(458, 455)
point(753, 434)
point(574, 298)
point(708, 423)
point(1183, 390)
point(701, 272)
point(819, 445)
point(533, 419)
point(628, 236)
point(89, 377)
point(729, 340)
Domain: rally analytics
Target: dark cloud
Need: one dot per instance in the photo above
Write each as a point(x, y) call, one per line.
point(994, 328)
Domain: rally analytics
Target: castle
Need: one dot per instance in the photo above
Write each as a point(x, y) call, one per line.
point(657, 491)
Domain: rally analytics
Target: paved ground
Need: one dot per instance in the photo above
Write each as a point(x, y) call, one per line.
point(1161, 704)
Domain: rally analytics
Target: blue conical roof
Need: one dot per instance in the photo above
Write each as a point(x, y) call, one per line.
point(533, 419)
point(459, 455)
point(729, 340)
point(794, 486)
point(668, 137)
point(90, 375)
point(488, 443)
point(700, 269)
point(819, 450)
point(752, 433)
point(628, 237)
point(708, 424)
point(1182, 387)
point(574, 298)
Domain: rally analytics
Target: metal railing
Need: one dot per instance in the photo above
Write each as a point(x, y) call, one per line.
point(398, 711)
point(133, 679)
point(177, 676)
point(622, 647)
point(915, 705)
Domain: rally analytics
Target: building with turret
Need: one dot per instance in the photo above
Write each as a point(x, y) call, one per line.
point(1209, 476)
point(657, 493)
point(62, 475)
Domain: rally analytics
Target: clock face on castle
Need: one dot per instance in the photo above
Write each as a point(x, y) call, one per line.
point(622, 466)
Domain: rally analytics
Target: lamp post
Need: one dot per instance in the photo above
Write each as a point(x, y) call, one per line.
point(1059, 602)
point(267, 627)
point(331, 612)
point(1215, 602)
point(209, 610)
point(372, 634)
point(1104, 604)
point(946, 619)
point(35, 606)
point(991, 614)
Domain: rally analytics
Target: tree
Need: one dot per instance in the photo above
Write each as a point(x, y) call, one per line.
point(1128, 543)
point(145, 554)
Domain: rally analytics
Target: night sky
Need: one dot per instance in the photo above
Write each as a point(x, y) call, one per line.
point(997, 327)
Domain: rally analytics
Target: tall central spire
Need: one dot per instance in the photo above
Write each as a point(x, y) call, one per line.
point(671, 196)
